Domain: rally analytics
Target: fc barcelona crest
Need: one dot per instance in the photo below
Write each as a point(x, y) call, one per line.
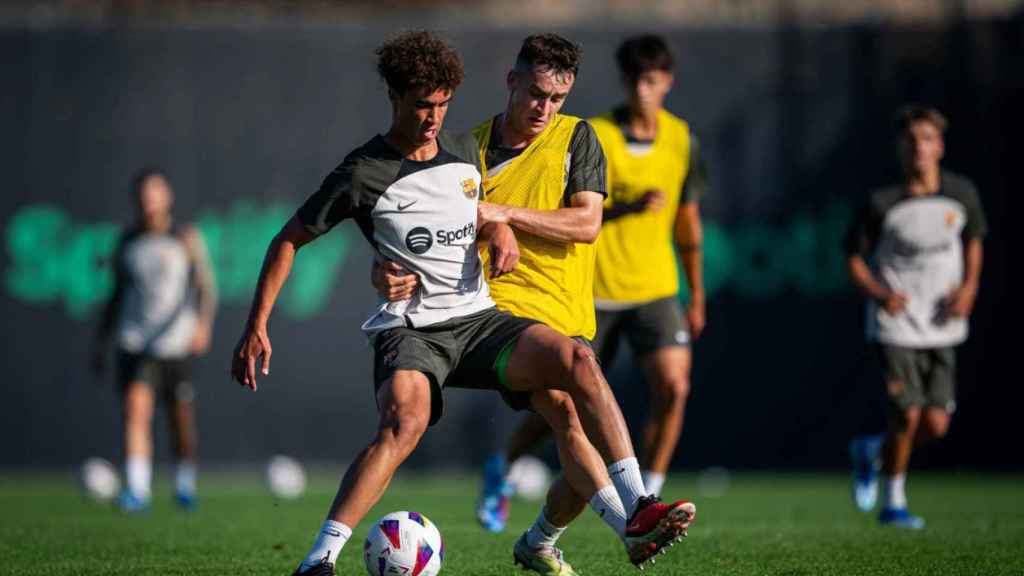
point(469, 188)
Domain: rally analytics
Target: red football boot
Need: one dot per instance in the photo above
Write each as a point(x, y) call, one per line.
point(655, 526)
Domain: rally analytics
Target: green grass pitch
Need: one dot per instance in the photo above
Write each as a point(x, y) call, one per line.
point(785, 525)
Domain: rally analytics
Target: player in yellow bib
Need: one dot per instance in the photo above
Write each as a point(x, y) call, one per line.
point(544, 176)
point(656, 179)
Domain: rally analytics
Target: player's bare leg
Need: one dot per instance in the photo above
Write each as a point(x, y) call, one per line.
point(668, 374)
point(546, 359)
point(584, 479)
point(934, 424)
point(138, 402)
point(582, 466)
point(181, 415)
point(404, 405)
point(899, 443)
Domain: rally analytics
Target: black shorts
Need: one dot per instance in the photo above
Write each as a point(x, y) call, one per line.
point(919, 377)
point(647, 327)
point(169, 377)
point(457, 353)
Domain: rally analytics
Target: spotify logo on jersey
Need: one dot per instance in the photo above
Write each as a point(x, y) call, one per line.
point(418, 240)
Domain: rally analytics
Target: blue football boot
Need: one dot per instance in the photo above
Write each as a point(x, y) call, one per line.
point(492, 508)
point(865, 454)
point(900, 518)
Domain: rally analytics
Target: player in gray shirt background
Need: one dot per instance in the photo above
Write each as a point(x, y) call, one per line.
point(159, 316)
point(915, 252)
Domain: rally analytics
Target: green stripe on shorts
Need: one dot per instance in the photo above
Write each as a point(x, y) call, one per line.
point(501, 363)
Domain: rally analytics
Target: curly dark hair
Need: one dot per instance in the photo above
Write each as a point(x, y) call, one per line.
point(550, 51)
point(419, 59)
point(639, 54)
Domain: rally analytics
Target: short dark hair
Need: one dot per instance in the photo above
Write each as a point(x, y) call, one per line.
point(140, 177)
point(419, 59)
point(550, 51)
point(639, 54)
point(911, 113)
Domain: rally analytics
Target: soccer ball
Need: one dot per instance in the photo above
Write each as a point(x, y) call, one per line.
point(529, 477)
point(99, 479)
point(285, 477)
point(403, 543)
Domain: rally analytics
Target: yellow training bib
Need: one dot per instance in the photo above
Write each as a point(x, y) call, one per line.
point(553, 282)
point(636, 260)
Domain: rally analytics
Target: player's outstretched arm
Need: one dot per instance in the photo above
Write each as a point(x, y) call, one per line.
point(254, 345)
point(579, 222)
point(689, 234)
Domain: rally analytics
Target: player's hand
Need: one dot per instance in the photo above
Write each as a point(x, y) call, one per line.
point(894, 302)
point(488, 212)
point(200, 338)
point(504, 251)
point(392, 281)
point(960, 302)
point(253, 347)
point(695, 315)
point(652, 201)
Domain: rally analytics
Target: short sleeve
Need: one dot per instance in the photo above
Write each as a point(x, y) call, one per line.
point(588, 169)
point(976, 225)
point(336, 200)
point(696, 175)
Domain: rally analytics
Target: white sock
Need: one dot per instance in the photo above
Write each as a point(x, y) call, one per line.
point(895, 496)
point(138, 475)
point(625, 476)
point(329, 542)
point(653, 482)
point(185, 477)
point(543, 534)
point(608, 506)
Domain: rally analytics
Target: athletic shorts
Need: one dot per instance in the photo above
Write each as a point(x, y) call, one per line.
point(169, 377)
point(458, 353)
point(647, 327)
point(922, 377)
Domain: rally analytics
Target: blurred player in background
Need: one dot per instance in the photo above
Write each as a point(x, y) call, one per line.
point(159, 316)
point(657, 178)
point(414, 193)
point(915, 252)
point(544, 174)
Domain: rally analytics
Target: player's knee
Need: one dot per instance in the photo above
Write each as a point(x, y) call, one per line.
point(412, 424)
point(583, 367)
point(937, 424)
point(908, 418)
point(674, 391)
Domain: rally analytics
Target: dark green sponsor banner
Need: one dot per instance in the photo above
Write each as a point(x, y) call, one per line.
point(52, 258)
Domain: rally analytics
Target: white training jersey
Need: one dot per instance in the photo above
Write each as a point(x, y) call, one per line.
point(917, 245)
point(421, 215)
point(157, 316)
